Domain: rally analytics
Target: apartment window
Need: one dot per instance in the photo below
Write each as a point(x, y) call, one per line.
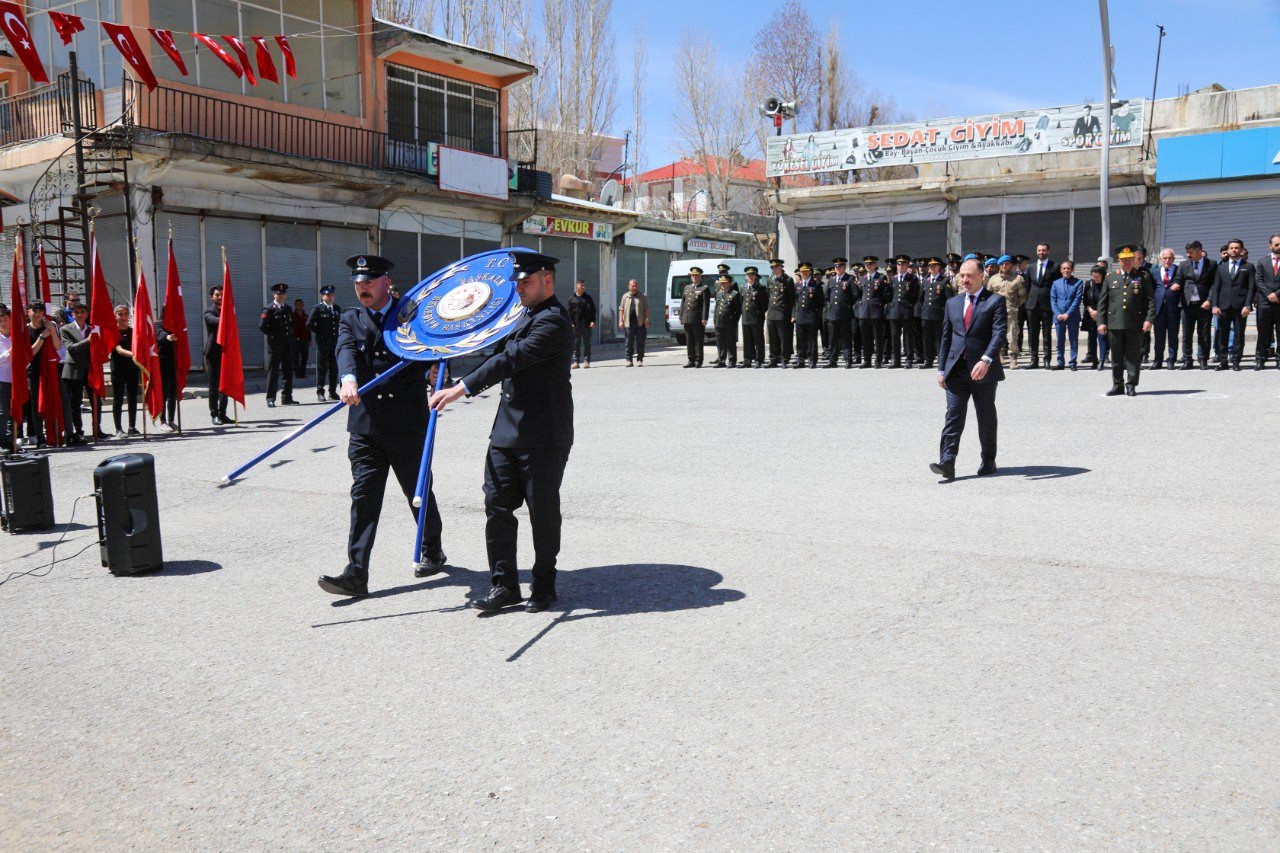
point(322, 34)
point(98, 59)
point(424, 108)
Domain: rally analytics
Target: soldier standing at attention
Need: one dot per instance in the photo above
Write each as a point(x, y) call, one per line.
point(695, 307)
point(807, 315)
point(904, 290)
point(755, 304)
point(935, 290)
point(868, 310)
point(840, 295)
point(1126, 310)
point(782, 300)
point(1013, 288)
point(323, 324)
point(277, 325)
point(728, 312)
point(213, 358)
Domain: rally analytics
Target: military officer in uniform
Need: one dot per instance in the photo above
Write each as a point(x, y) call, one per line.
point(807, 315)
point(723, 269)
point(868, 310)
point(531, 436)
point(386, 427)
point(840, 295)
point(695, 307)
point(1013, 288)
point(903, 292)
point(935, 290)
point(755, 304)
point(277, 325)
point(323, 324)
point(213, 358)
point(782, 300)
point(1126, 310)
point(824, 326)
point(728, 312)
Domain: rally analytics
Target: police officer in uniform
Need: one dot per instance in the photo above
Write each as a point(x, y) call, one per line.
point(531, 437)
point(1126, 310)
point(728, 312)
point(868, 310)
point(904, 291)
point(213, 357)
point(935, 290)
point(386, 427)
point(755, 304)
point(807, 315)
point(782, 300)
point(323, 324)
point(840, 296)
point(277, 325)
point(695, 307)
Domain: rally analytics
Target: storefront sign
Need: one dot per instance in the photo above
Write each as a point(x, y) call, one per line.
point(555, 226)
point(1214, 156)
point(710, 247)
point(1048, 131)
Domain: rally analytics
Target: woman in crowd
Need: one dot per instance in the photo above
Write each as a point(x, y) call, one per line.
point(1092, 293)
point(124, 374)
point(6, 381)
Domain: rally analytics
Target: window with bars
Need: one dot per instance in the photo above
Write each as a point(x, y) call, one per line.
point(423, 107)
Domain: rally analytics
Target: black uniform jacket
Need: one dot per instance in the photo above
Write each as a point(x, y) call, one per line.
point(398, 405)
point(536, 409)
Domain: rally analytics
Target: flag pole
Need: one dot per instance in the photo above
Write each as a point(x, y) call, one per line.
point(235, 405)
point(424, 472)
point(178, 407)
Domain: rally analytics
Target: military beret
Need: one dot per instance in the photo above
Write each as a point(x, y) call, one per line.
point(1005, 259)
point(990, 262)
point(368, 267)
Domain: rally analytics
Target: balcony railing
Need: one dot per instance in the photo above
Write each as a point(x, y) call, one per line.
point(45, 112)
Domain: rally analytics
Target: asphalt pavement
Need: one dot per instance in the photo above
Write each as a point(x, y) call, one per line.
point(777, 630)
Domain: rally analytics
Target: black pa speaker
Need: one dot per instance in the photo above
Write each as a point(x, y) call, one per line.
point(128, 514)
point(28, 497)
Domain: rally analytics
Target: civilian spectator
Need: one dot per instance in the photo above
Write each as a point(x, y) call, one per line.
point(6, 381)
point(1092, 293)
point(1065, 297)
point(301, 339)
point(1232, 291)
point(1198, 273)
point(43, 331)
point(168, 377)
point(1267, 302)
point(124, 375)
point(75, 373)
point(633, 317)
point(1040, 275)
point(582, 313)
point(1168, 309)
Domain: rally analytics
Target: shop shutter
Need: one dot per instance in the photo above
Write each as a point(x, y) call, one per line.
point(186, 250)
point(981, 234)
point(1022, 231)
point(1213, 223)
point(243, 241)
point(338, 244)
point(291, 258)
point(818, 246)
point(401, 248)
point(870, 239)
point(1126, 227)
point(920, 239)
point(113, 254)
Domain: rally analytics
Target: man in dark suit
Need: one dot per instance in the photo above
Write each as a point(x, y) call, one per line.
point(531, 436)
point(1266, 301)
point(213, 357)
point(1198, 273)
point(1168, 292)
point(1041, 274)
point(386, 427)
point(974, 328)
point(75, 373)
point(1232, 294)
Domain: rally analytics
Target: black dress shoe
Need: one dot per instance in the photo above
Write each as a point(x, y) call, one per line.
point(431, 566)
point(1115, 391)
point(271, 404)
point(1073, 368)
point(1130, 391)
point(1236, 366)
point(1220, 367)
point(687, 366)
point(986, 469)
point(498, 598)
point(718, 364)
point(945, 470)
point(289, 401)
point(344, 584)
point(539, 603)
point(1258, 366)
point(1156, 366)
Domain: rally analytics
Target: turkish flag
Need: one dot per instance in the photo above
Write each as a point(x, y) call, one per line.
point(129, 48)
point(145, 352)
point(175, 322)
point(20, 350)
point(164, 38)
point(49, 385)
point(232, 383)
point(14, 25)
point(219, 52)
point(289, 67)
point(243, 56)
point(266, 65)
point(104, 334)
point(66, 25)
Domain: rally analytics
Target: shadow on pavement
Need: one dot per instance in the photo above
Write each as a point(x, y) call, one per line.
point(1164, 392)
point(1040, 472)
point(188, 567)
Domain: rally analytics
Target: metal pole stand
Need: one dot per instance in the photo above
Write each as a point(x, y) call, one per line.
point(424, 471)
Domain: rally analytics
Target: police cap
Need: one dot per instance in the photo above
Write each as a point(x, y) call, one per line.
point(368, 267)
point(528, 263)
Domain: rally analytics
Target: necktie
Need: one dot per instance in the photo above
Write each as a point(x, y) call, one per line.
point(1234, 267)
point(968, 311)
point(1275, 266)
point(1167, 274)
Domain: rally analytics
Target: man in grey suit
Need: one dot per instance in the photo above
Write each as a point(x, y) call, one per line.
point(1267, 301)
point(1232, 294)
point(75, 373)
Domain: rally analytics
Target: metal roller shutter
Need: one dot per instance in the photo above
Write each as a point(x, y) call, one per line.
point(1213, 223)
point(981, 234)
point(871, 239)
point(819, 245)
point(113, 254)
point(338, 244)
point(401, 248)
point(291, 258)
point(243, 241)
point(1126, 227)
point(920, 239)
point(1022, 231)
point(186, 251)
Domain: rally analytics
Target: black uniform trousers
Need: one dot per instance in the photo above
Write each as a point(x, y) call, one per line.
point(694, 340)
point(1022, 324)
point(169, 387)
point(281, 354)
point(753, 342)
point(901, 337)
point(327, 365)
point(582, 343)
point(636, 335)
point(1268, 315)
point(1090, 328)
point(806, 343)
point(1126, 355)
point(124, 383)
point(217, 400)
point(779, 332)
point(372, 456)
point(1195, 324)
point(960, 389)
point(515, 476)
point(872, 340)
point(1039, 324)
point(824, 331)
point(1222, 342)
point(727, 346)
point(930, 333)
point(841, 341)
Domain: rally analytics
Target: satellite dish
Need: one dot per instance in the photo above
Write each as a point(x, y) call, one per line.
point(611, 192)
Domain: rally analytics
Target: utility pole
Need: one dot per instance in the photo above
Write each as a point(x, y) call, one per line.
point(1107, 94)
point(1151, 111)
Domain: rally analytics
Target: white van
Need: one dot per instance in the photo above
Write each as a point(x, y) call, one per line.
point(678, 277)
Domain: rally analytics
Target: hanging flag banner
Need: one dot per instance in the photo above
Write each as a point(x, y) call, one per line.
point(266, 65)
point(129, 48)
point(1046, 131)
point(66, 25)
point(243, 56)
point(289, 67)
point(164, 38)
point(14, 25)
point(220, 52)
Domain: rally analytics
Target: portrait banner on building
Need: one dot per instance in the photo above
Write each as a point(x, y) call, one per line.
point(1047, 131)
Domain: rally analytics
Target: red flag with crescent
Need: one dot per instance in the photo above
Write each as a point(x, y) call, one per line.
point(232, 380)
point(105, 333)
point(66, 25)
point(49, 385)
point(20, 343)
point(122, 37)
point(290, 67)
point(145, 352)
point(164, 38)
point(220, 52)
point(14, 25)
point(266, 65)
point(243, 56)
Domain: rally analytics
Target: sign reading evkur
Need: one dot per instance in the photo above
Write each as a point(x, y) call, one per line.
point(557, 226)
point(1047, 131)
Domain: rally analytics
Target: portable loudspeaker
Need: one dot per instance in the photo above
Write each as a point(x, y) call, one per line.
point(27, 495)
point(128, 514)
